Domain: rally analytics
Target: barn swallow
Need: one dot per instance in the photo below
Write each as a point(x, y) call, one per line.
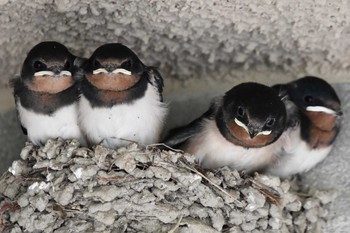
point(46, 94)
point(313, 110)
point(121, 99)
point(241, 129)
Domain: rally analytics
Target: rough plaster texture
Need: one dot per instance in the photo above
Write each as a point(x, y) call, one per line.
point(184, 38)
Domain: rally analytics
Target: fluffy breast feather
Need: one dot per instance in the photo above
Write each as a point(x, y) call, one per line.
point(212, 150)
point(40, 127)
point(140, 120)
point(296, 156)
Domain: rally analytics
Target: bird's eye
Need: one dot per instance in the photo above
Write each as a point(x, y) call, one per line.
point(308, 99)
point(126, 65)
point(240, 111)
point(270, 122)
point(96, 64)
point(38, 65)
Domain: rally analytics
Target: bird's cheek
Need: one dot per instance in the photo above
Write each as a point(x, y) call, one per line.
point(52, 85)
point(113, 82)
point(242, 138)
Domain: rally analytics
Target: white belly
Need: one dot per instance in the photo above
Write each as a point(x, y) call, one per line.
point(40, 127)
point(212, 151)
point(296, 156)
point(141, 121)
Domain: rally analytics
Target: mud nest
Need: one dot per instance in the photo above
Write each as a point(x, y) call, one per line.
point(63, 187)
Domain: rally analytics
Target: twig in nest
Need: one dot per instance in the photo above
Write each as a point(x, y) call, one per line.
point(172, 230)
point(7, 206)
point(60, 211)
point(7, 173)
point(115, 179)
point(37, 171)
point(193, 169)
point(144, 166)
point(166, 146)
point(74, 209)
point(305, 195)
point(272, 195)
point(127, 140)
point(31, 178)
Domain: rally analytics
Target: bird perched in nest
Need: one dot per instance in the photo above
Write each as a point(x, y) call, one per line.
point(46, 94)
point(121, 98)
point(241, 129)
point(313, 110)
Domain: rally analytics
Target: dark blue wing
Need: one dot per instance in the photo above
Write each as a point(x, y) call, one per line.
point(16, 84)
point(293, 113)
point(178, 137)
point(155, 78)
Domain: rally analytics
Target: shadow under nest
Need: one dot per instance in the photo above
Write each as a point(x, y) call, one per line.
point(62, 187)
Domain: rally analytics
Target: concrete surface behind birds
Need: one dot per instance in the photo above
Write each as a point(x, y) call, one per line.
point(188, 39)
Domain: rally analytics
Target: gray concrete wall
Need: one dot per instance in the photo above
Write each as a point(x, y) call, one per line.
point(189, 39)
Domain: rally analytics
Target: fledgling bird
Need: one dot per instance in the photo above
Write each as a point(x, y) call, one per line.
point(121, 98)
point(241, 129)
point(46, 94)
point(313, 110)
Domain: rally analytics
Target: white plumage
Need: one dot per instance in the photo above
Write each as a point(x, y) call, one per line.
point(296, 156)
point(212, 150)
point(41, 127)
point(140, 121)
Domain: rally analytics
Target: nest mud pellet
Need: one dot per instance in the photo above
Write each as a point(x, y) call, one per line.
point(63, 187)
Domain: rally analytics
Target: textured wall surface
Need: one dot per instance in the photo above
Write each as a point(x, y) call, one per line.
point(189, 38)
